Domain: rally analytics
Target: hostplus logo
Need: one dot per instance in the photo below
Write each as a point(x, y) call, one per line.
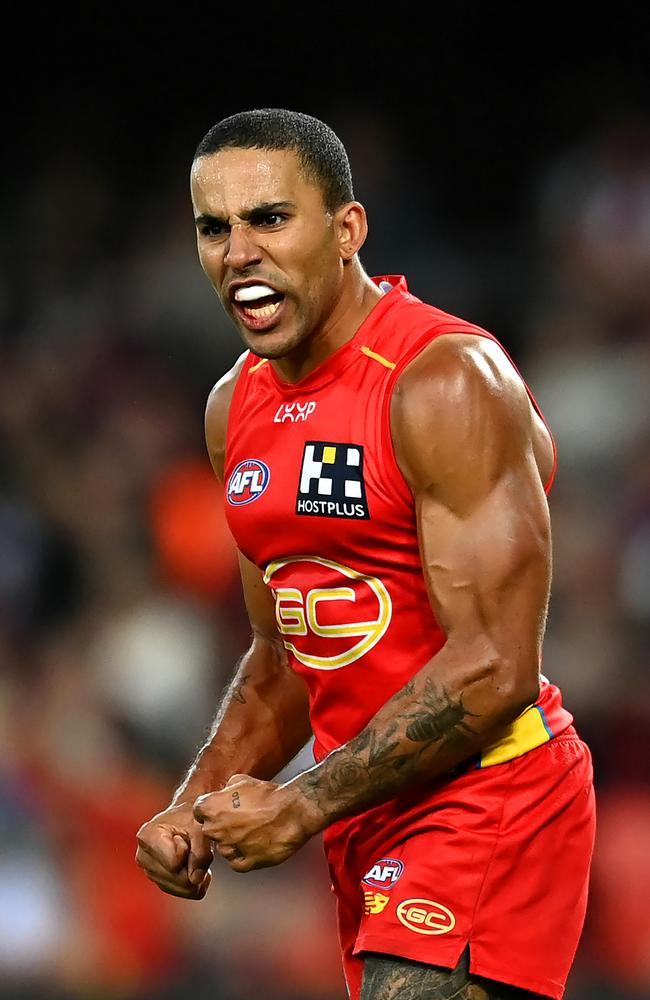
point(331, 481)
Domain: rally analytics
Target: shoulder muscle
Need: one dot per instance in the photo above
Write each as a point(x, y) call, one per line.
point(460, 417)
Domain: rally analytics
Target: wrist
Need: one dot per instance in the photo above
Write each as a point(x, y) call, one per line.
point(313, 814)
point(201, 781)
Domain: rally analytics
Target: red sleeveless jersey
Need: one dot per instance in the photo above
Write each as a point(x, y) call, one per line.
point(315, 498)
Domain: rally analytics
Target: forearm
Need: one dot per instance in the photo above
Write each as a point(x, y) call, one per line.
point(260, 726)
point(443, 715)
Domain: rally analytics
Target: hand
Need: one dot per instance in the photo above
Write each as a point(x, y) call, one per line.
point(174, 853)
point(255, 824)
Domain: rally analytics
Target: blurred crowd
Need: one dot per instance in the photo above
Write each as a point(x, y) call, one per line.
point(120, 609)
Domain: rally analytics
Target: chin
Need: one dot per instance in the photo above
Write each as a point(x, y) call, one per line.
point(271, 345)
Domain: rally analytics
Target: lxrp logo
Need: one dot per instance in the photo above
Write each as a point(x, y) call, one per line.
point(293, 412)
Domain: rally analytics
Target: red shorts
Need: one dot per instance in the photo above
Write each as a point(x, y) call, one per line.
point(497, 858)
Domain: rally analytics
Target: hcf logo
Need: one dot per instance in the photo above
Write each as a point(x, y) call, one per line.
point(248, 481)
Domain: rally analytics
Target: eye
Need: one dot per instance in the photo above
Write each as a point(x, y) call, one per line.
point(211, 229)
point(270, 219)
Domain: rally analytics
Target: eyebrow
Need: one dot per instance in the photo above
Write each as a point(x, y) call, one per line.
point(265, 207)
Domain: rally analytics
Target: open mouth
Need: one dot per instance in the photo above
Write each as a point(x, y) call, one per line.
point(258, 306)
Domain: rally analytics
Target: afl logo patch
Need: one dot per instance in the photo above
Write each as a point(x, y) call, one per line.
point(384, 874)
point(248, 481)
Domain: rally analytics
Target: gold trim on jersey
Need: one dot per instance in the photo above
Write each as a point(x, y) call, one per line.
point(258, 365)
point(529, 730)
point(377, 357)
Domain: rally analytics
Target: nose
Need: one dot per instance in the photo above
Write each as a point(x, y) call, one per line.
point(241, 250)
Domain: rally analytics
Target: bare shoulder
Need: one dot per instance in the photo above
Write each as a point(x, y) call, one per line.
point(457, 366)
point(461, 395)
point(216, 415)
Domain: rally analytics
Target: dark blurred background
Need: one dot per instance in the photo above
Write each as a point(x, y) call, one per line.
point(503, 154)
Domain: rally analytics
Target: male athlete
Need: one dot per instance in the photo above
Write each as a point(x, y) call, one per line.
point(385, 470)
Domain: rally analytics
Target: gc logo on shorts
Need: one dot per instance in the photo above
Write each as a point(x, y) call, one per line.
point(425, 917)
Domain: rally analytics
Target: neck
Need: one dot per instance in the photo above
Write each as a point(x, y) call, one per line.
point(358, 296)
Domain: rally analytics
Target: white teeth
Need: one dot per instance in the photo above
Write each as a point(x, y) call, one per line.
point(263, 312)
point(252, 292)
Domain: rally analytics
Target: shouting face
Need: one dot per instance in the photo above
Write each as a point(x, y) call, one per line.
point(269, 245)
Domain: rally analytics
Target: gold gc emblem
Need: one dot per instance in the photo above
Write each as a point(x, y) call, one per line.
point(425, 917)
point(328, 615)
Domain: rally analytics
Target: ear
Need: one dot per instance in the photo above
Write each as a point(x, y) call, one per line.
point(352, 228)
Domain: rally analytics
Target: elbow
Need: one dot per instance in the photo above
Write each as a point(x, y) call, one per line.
point(505, 681)
point(513, 689)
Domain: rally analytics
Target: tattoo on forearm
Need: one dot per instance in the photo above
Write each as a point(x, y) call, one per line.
point(438, 717)
point(383, 757)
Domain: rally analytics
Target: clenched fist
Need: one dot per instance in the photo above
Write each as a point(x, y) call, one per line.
point(255, 824)
point(174, 852)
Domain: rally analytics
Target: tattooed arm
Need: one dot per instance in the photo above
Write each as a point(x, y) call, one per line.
point(262, 723)
point(475, 455)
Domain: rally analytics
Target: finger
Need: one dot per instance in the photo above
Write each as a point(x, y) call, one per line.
point(208, 808)
point(181, 889)
point(200, 857)
point(176, 885)
point(243, 865)
point(158, 872)
point(229, 851)
point(169, 847)
point(200, 808)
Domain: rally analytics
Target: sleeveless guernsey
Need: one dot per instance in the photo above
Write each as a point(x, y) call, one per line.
point(315, 498)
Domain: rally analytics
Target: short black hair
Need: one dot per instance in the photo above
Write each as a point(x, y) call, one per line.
point(321, 153)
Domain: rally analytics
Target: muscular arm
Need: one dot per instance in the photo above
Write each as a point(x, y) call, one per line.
point(465, 440)
point(263, 720)
point(261, 724)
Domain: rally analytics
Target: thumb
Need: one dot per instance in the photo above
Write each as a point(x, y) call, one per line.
point(236, 778)
point(200, 857)
point(170, 848)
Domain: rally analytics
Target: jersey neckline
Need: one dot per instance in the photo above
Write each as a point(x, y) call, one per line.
point(331, 367)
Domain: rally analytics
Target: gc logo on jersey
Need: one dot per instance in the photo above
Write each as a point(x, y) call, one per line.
point(248, 481)
point(328, 615)
point(331, 481)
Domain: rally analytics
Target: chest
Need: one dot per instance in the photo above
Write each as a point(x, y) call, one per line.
point(311, 473)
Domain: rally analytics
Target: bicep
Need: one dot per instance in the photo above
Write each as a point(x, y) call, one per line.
point(487, 567)
point(464, 438)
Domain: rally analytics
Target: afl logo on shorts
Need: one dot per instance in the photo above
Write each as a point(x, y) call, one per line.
point(425, 917)
point(384, 874)
point(248, 481)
